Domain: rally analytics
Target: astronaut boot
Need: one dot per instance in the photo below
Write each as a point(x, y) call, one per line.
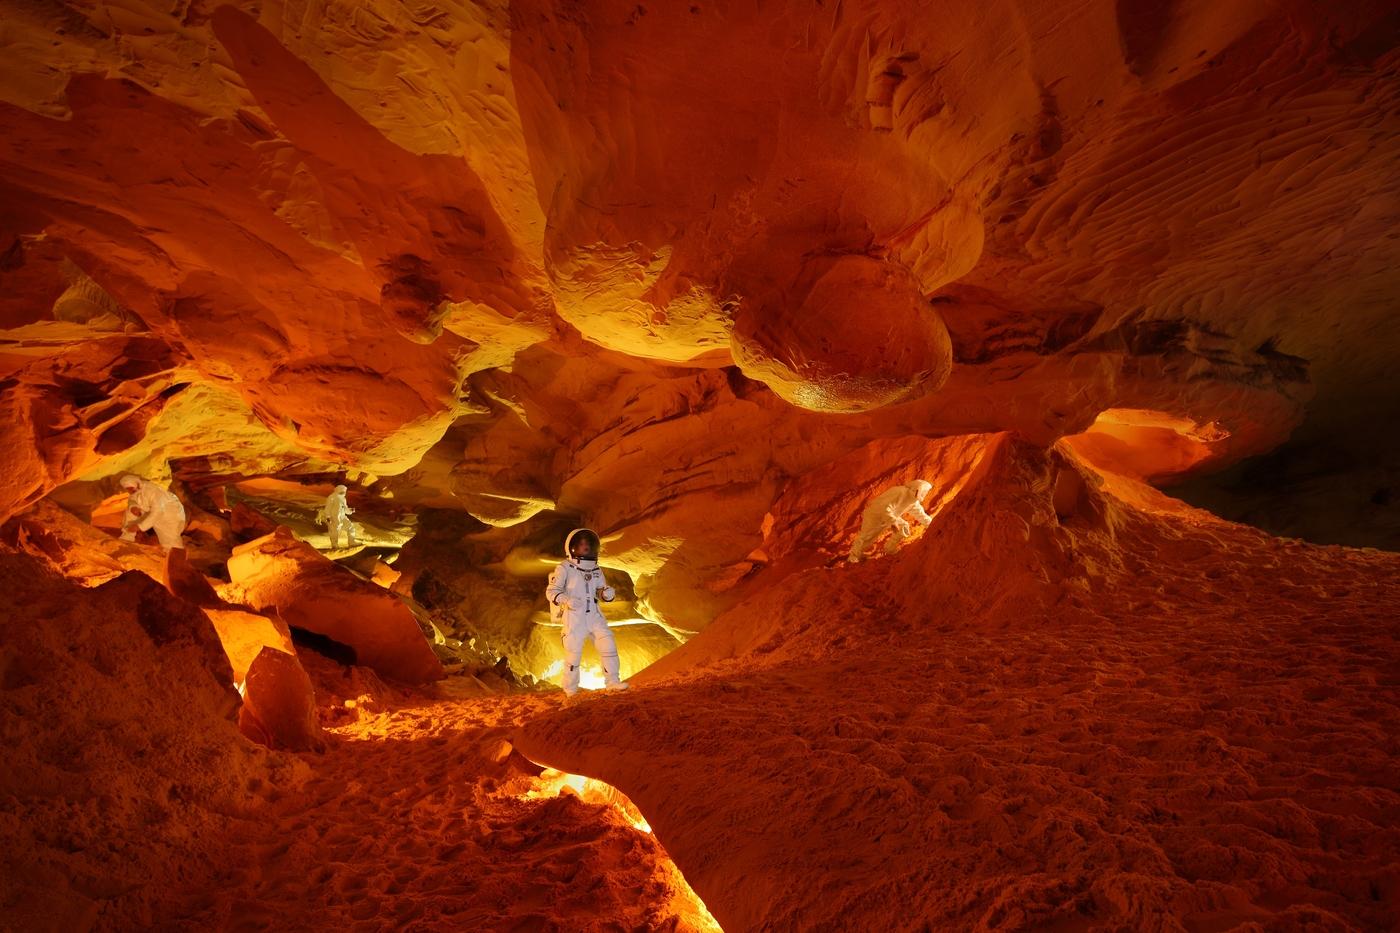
point(610, 670)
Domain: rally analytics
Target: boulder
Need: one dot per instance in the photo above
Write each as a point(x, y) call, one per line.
point(245, 634)
point(185, 581)
point(169, 620)
point(84, 554)
point(279, 704)
point(242, 633)
point(248, 524)
point(279, 574)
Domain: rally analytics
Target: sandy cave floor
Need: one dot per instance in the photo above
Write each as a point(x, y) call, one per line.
point(1206, 738)
point(418, 818)
point(1179, 770)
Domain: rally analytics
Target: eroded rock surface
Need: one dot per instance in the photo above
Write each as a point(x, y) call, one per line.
point(122, 758)
point(279, 574)
point(1106, 719)
point(279, 704)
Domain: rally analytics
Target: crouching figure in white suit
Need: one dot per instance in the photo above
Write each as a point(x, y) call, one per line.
point(575, 588)
point(149, 507)
point(890, 508)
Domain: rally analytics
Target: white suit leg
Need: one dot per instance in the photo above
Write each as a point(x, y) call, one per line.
point(575, 635)
point(607, 650)
point(899, 537)
point(128, 517)
point(869, 531)
point(168, 529)
point(333, 532)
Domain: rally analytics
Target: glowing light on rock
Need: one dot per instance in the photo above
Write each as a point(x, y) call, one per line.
point(590, 676)
point(1153, 446)
point(552, 783)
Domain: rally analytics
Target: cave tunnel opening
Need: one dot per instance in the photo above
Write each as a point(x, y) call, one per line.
point(550, 783)
point(1155, 447)
point(324, 645)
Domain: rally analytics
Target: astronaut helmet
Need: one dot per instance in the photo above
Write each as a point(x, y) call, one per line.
point(583, 544)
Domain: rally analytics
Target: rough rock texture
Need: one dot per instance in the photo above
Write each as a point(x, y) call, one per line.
point(91, 557)
point(420, 814)
point(245, 635)
point(352, 210)
point(242, 634)
point(130, 801)
point(279, 704)
point(122, 762)
point(169, 620)
point(279, 574)
point(76, 549)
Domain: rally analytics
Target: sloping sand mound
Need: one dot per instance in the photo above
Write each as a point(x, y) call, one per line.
point(420, 817)
point(1139, 717)
point(1094, 710)
point(128, 799)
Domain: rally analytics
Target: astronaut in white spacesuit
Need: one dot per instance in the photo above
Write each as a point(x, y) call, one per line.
point(575, 588)
point(890, 508)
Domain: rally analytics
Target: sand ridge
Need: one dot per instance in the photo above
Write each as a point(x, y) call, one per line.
point(1194, 730)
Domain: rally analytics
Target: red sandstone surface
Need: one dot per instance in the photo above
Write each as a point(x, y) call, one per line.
point(705, 277)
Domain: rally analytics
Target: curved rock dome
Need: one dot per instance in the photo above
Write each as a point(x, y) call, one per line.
point(852, 333)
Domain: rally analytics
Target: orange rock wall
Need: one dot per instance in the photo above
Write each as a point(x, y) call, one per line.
point(1006, 217)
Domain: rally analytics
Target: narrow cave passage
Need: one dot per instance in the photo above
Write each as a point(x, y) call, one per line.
point(420, 815)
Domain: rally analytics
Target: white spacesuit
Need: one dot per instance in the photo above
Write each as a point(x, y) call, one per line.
point(889, 508)
point(148, 507)
point(335, 515)
point(574, 589)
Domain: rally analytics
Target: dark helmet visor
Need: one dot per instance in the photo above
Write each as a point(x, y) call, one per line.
point(584, 540)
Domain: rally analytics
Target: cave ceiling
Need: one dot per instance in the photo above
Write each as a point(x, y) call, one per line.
point(604, 258)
